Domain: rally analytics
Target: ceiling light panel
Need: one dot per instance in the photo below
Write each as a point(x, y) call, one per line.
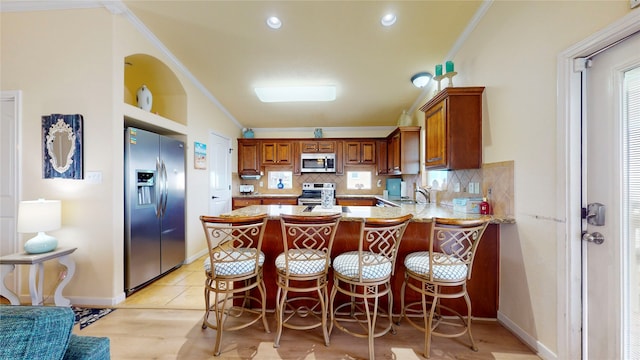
point(296, 93)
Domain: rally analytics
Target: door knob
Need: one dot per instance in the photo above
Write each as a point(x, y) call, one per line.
point(595, 237)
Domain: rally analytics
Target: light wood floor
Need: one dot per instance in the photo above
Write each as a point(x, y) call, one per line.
point(163, 321)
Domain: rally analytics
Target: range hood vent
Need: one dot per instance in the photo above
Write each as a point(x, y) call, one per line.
point(250, 177)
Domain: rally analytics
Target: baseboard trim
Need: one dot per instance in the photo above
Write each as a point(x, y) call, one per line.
point(539, 348)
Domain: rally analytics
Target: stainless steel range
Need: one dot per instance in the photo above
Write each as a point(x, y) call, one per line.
point(312, 193)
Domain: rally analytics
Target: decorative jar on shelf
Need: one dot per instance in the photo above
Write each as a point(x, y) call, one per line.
point(247, 133)
point(144, 98)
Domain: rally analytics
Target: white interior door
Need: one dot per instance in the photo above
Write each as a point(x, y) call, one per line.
point(611, 176)
point(219, 174)
point(9, 175)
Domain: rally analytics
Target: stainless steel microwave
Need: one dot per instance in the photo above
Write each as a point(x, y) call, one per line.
point(318, 163)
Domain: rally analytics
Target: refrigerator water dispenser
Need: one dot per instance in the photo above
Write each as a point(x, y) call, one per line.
point(145, 183)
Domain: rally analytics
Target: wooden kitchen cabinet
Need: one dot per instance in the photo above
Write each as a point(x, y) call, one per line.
point(382, 167)
point(279, 201)
point(317, 146)
point(360, 152)
point(248, 157)
point(403, 151)
point(237, 203)
point(356, 202)
point(453, 129)
point(277, 153)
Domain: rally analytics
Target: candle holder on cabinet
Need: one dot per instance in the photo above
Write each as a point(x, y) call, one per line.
point(448, 75)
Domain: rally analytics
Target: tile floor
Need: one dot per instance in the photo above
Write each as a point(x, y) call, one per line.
point(183, 288)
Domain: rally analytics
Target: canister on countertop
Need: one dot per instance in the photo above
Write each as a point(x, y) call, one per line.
point(467, 205)
point(393, 186)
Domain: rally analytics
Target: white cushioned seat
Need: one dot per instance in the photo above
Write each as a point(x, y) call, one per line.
point(309, 263)
point(347, 264)
point(418, 262)
point(237, 267)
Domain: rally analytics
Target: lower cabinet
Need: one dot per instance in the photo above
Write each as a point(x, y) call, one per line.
point(356, 202)
point(238, 202)
point(279, 201)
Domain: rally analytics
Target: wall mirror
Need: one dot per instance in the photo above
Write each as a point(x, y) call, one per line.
point(62, 146)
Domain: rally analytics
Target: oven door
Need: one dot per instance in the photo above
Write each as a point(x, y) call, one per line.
point(309, 201)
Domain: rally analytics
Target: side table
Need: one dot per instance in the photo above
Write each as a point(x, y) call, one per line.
point(36, 274)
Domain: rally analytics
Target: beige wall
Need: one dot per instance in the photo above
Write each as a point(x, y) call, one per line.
point(513, 52)
point(72, 61)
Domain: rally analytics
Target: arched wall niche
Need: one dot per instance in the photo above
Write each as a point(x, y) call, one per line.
point(169, 96)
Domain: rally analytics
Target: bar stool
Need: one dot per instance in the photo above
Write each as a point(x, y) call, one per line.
point(302, 269)
point(233, 269)
point(442, 273)
point(365, 277)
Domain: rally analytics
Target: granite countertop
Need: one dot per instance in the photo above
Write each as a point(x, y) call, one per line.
point(259, 195)
point(420, 212)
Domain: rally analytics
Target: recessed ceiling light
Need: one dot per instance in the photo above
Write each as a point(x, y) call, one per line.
point(274, 23)
point(421, 79)
point(388, 19)
point(296, 93)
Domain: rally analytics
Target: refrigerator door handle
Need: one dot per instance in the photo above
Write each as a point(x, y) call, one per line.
point(165, 182)
point(158, 188)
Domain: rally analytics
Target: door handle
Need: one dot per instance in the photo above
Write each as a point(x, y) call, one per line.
point(594, 237)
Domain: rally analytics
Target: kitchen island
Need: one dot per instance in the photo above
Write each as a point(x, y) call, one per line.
point(482, 288)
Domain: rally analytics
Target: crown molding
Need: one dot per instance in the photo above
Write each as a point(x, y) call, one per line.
point(117, 8)
point(19, 6)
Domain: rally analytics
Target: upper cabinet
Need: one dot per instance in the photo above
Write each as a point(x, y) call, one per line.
point(312, 146)
point(362, 152)
point(453, 129)
point(403, 151)
point(248, 157)
point(277, 152)
point(381, 158)
point(169, 100)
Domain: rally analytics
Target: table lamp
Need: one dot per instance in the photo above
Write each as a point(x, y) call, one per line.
point(39, 216)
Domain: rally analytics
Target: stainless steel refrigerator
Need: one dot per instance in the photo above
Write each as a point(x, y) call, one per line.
point(154, 176)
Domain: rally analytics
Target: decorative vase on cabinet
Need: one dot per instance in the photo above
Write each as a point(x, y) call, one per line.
point(247, 133)
point(144, 98)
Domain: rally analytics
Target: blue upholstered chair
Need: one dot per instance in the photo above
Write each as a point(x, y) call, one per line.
point(45, 332)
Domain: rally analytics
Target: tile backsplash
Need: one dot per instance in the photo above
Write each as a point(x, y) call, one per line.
point(498, 177)
point(495, 176)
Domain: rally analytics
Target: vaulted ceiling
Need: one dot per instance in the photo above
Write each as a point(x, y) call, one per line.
point(228, 48)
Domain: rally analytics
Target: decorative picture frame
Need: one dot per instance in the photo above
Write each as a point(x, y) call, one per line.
point(200, 155)
point(62, 141)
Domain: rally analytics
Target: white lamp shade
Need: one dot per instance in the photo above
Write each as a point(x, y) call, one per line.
point(39, 215)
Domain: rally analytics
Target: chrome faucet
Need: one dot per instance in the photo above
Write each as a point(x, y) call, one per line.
point(424, 191)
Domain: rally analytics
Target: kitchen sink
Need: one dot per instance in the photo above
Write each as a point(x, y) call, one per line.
point(309, 208)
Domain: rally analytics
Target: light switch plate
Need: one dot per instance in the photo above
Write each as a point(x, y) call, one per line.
point(94, 177)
